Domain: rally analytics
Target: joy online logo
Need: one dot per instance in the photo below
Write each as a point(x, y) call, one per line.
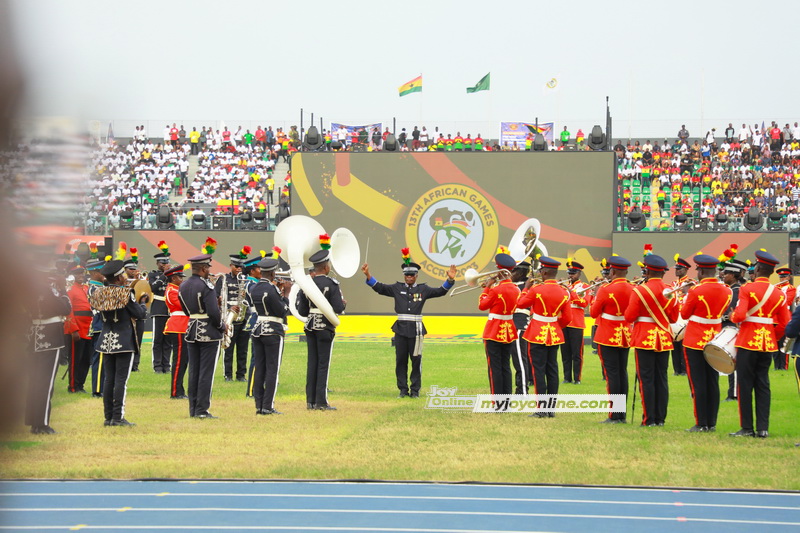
point(446, 398)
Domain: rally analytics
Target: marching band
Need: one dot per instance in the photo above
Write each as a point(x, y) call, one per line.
point(714, 325)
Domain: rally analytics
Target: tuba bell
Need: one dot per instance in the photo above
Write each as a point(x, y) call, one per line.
point(298, 237)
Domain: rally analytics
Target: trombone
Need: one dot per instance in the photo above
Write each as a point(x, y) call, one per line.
point(686, 284)
point(580, 290)
point(477, 280)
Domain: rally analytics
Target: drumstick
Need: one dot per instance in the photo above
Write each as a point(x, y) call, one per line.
point(366, 254)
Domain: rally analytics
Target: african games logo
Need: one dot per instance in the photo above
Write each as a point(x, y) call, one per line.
point(452, 224)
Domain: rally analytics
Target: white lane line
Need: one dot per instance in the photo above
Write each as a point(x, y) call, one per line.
point(405, 512)
point(384, 497)
point(273, 528)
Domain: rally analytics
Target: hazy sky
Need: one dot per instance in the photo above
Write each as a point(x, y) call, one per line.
point(661, 63)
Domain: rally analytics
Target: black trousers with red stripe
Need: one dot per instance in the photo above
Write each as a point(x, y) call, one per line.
point(544, 366)
point(615, 368)
point(572, 354)
point(651, 368)
point(753, 373)
point(498, 359)
point(704, 382)
point(80, 359)
point(180, 360)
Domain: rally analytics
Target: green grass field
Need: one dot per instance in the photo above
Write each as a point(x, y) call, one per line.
point(375, 435)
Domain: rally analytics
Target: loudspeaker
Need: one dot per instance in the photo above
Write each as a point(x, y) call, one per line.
point(313, 140)
point(680, 222)
point(721, 221)
point(753, 220)
point(775, 221)
point(636, 221)
point(336, 145)
point(198, 221)
point(260, 220)
point(164, 218)
point(597, 139)
point(126, 219)
point(391, 144)
point(539, 143)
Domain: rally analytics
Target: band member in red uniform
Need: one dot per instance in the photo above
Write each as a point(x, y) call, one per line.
point(175, 330)
point(500, 334)
point(789, 290)
point(763, 315)
point(572, 349)
point(682, 267)
point(550, 313)
point(651, 314)
point(703, 308)
point(613, 335)
point(81, 322)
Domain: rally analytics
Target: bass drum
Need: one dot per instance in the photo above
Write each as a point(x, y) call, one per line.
point(720, 352)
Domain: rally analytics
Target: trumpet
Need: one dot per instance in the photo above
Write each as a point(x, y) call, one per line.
point(686, 284)
point(580, 290)
point(478, 280)
point(638, 281)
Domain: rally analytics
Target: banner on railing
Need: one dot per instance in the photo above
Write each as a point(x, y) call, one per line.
point(517, 132)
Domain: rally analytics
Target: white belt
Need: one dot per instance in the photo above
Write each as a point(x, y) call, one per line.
point(759, 320)
point(523, 312)
point(314, 310)
point(199, 315)
point(701, 320)
point(495, 316)
point(269, 319)
point(157, 297)
point(615, 318)
point(45, 321)
point(410, 318)
point(645, 319)
point(541, 318)
point(177, 313)
point(575, 306)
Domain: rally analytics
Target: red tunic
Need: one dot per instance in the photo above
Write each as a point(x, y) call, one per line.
point(578, 304)
point(608, 309)
point(500, 301)
point(647, 333)
point(81, 316)
point(789, 291)
point(177, 321)
point(550, 312)
point(760, 332)
point(704, 306)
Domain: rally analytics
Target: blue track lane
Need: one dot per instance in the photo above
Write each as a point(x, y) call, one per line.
point(409, 507)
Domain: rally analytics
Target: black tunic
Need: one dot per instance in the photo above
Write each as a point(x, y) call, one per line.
point(198, 297)
point(158, 283)
point(332, 292)
point(408, 301)
point(119, 327)
point(268, 302)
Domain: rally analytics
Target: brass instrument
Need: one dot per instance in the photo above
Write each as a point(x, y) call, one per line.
point(638, 281)
point(580, 290)
point(227, 336)
point(686, 284)
point(141, 287)
point(535, 277)
point(478, 280)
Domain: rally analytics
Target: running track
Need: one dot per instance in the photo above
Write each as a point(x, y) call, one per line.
point(400, 507)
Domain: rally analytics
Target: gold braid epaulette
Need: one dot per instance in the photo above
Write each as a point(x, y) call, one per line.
point(110, 298)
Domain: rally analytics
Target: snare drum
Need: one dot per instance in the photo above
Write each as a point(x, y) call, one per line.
point(720, 352)
point(678, 330)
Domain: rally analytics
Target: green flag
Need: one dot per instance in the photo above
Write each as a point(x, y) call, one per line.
point(482, 85)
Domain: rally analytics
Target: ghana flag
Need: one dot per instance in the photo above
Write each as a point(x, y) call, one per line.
point(413, 86)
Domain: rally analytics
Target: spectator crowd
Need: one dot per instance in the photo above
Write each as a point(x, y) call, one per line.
point(746, 167)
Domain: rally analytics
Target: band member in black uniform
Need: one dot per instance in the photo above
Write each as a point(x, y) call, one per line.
point(158, 310)
point(732, 272)
point(272, 305)
point(319, 331)
point(203, 334)
point(80, 323)
point(409, 331)
point(96, 278)
point(117, 341)
point(522, 366)
point(133, 276)
point(46, 336)
point(236, 281)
